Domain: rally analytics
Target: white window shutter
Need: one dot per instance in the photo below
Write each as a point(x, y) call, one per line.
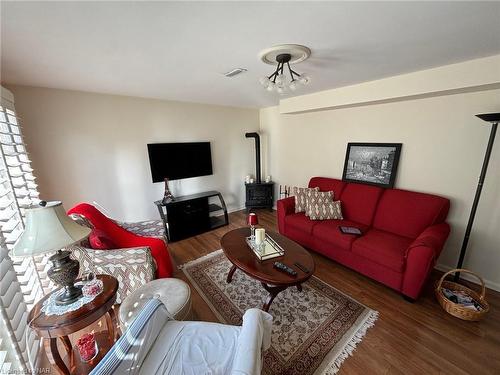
point(13, 312)
point(20, 278)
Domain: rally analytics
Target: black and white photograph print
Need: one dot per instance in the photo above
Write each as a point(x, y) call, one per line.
point(372, 163)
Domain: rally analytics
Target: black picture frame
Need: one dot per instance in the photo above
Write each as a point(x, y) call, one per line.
point(372, 163)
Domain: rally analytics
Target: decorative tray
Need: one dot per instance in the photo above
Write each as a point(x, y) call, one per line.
point(268, 250)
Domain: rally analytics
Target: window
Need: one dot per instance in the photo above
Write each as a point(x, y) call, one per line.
point(22, 280)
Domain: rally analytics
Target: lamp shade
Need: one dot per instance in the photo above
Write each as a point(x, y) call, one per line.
point(48, 229)
point(490, 117)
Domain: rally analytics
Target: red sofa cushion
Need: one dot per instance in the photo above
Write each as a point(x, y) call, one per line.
point(328, 184)
point(359, 202)
point(99, 240)
point(408, 213)
point(328, 231)
point(384, 248)
point(126, 239)
point(300, 221)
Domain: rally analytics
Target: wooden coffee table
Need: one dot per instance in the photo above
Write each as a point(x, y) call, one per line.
point(274, 281)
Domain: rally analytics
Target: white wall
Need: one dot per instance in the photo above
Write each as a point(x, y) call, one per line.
point(92, 147)
point(443, 150)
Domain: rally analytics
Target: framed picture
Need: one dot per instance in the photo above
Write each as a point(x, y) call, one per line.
point(372, 163)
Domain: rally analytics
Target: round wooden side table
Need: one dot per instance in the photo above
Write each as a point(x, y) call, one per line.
point(53, 327)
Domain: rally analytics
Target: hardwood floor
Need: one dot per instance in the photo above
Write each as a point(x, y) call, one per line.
point(408, 338)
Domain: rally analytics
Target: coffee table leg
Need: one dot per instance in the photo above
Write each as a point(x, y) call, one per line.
point(299, 287)
point(54, 357)
point(273, 292)
point(230, 274)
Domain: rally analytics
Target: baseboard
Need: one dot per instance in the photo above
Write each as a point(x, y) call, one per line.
point(230, 210)
point(235, 209)
point(489, 284)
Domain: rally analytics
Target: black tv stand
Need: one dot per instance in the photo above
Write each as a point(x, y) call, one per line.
point(193, 214)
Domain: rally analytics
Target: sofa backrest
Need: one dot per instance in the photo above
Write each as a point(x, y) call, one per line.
point(359, 202)
point(328, 184)
point(408, 213)
point(402, 212)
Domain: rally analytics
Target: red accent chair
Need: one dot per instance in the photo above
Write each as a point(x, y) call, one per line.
point(125, 239)
point(403, 232)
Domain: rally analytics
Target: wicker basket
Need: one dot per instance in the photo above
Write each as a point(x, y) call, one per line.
point(456, 309)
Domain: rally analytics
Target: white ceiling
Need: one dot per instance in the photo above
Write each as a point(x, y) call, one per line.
point(179, 50)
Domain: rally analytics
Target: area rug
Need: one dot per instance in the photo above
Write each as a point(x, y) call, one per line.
point(314, 331)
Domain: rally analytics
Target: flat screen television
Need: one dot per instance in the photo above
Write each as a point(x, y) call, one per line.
point(179, 160)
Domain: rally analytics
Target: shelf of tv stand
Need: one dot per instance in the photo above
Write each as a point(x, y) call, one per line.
point(189, 215)
point(212, 207)
point(217, 221)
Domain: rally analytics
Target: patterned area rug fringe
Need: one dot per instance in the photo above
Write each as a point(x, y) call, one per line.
point(349, 349)
point(199, 260)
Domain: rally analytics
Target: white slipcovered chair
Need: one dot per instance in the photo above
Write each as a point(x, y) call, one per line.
point(154, 344)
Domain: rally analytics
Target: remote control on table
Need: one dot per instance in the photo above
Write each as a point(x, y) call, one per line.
point(301, 267)
point(284, 268)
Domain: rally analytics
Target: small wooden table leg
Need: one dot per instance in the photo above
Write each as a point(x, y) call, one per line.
point(111, 325)
point(299, 287)
point(230, 274)
point(67, 344)
point(54, 357)
point(115, 323)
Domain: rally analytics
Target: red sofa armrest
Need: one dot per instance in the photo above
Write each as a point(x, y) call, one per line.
point(285, 207)
point(421, 257)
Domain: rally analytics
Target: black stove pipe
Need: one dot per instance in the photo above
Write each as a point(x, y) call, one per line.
point(257, 155)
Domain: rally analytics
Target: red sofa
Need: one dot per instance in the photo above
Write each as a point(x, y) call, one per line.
point(403, 232)
point(125, 239)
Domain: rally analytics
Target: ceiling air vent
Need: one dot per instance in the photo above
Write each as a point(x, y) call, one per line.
point(235, 72)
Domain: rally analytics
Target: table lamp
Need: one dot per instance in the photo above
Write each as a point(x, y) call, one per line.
point(49, 229)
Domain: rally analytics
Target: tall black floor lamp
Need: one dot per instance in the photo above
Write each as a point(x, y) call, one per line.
point(493, 118)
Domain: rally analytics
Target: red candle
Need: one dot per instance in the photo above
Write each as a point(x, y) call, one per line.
point(87, 347)
point(252, 219)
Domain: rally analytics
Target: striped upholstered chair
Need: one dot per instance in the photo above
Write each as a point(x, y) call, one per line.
point(155, 344)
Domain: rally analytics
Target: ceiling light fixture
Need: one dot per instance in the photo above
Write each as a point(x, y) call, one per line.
point(284, 55)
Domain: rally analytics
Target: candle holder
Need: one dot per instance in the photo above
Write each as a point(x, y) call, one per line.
point(92, 287)
point(87, 347)
point(252, 221)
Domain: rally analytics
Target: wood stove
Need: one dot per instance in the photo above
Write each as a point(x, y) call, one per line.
point(258, 194)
